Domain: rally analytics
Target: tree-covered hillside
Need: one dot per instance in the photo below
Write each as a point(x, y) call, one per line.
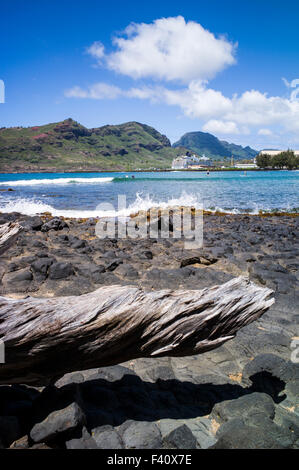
point(68, 145)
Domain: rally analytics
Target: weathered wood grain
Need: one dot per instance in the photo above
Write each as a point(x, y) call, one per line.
point(47, 337)
point(8, 234)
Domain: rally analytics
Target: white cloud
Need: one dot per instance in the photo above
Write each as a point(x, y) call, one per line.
point(252, 110)
point(265, 132)
point(98, 91)
point(175, 50)
point(168, 49)
point(97, 50)
point(215, 126)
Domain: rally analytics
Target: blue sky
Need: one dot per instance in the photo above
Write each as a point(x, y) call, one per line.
point(215, 66)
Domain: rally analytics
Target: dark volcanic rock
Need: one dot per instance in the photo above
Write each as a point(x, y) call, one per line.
point(253, 403)
point(274, 365)
point(60, 421)
point(113, 264)
point(85, 441)
point(106, 437)
point(140, 435)
point(181, 438)
point(91, 270)
point(127, 271)
point(54, 224)
point(113, 373)
point(60, 270)
point(31, 223)
point(41, 266)
point(19, 276)
point(246, 437)
point(188, 261)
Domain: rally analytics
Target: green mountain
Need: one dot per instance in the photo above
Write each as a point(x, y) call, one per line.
point(68, 145)
point(208, 144)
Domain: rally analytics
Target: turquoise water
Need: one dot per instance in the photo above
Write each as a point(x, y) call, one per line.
point(83, 194)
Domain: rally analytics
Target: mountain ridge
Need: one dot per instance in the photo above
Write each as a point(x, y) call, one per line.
point(69, 146)
point(211, 146)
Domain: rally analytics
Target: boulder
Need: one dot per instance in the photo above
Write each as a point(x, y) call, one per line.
point(242, 436)
point(85, 441)
point(41, 266)
point(31, 223)
point(60, 270)
point(106, 437)
point(253, 403)
point(54, 224)
point(58, 422)
point(140, 435)
point(181, 438)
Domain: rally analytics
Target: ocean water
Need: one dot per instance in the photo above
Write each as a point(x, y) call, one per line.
point(97, 194)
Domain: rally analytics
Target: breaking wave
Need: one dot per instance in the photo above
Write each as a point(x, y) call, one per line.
point(72, 180)
point(141, 203)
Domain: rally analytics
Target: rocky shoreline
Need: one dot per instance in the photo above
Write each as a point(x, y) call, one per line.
point(242, 395)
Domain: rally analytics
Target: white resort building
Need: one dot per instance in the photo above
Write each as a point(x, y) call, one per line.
point(190, 161)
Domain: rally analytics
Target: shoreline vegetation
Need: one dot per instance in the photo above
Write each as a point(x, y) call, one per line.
point(283, 160)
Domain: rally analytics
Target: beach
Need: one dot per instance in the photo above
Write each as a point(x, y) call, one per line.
point(243, 394)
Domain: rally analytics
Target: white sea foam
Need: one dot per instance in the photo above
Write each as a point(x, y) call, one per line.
point(57, 181)
point(141, 203)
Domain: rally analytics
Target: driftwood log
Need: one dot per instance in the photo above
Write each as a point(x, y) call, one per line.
point(8, 234)
point(45, 338)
